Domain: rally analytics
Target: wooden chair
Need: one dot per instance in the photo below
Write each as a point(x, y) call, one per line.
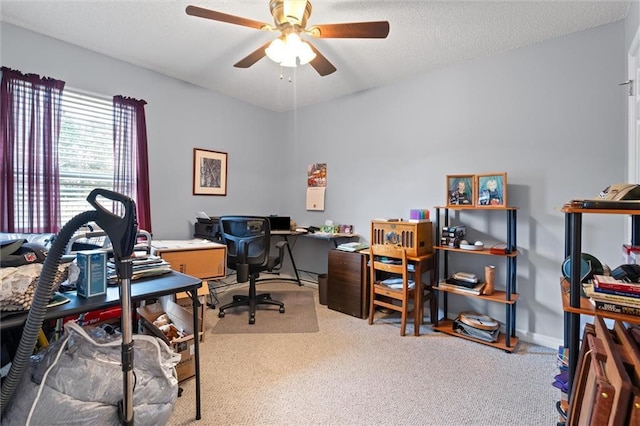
point(391, 286)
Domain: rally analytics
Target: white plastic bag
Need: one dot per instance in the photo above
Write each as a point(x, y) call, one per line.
point(81, 382)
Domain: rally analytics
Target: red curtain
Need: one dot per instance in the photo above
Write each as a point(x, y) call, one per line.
point(131, 176)
point(29, 175)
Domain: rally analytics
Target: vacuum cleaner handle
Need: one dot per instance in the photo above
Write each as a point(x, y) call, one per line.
point(122, 231)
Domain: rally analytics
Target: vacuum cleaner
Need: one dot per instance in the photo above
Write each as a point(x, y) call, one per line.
point(122, 231)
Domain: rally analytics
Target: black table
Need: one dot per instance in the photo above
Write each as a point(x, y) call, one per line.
point(146, 288)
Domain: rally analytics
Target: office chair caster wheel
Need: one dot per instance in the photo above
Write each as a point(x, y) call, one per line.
point(281, 309)
point(221, 314)
point(252, 320)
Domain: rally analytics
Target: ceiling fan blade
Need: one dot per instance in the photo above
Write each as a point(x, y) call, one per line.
point(223, 17)
point(374, 29)
point(252, 57)
point(320, 63)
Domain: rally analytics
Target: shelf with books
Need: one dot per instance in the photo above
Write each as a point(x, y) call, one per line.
point(573, 303)
point(507, 339)
point(587, 308)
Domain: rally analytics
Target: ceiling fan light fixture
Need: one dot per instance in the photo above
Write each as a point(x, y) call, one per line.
point(305, 53)
point(289, 51)
point(276, 50)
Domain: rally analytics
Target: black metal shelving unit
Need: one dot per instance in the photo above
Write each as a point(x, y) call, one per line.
point(573, 304)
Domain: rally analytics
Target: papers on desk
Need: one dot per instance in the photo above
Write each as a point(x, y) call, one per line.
point(353, 246)
point(149, 266)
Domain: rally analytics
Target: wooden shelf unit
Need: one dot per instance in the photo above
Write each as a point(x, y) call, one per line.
point(507, 341)
point(573, 304)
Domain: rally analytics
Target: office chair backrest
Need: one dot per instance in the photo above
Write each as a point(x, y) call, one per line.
point(248, 239)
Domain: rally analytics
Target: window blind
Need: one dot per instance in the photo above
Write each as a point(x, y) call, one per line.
point(86, 149)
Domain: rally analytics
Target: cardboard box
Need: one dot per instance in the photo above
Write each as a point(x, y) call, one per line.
point(92, 280)
point(184, 301)
point(182, 319)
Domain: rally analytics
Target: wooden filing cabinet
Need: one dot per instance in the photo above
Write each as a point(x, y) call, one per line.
point(348, 283)
point(194, 257)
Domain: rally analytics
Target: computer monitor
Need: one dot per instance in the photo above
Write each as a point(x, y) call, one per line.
point(280, 223)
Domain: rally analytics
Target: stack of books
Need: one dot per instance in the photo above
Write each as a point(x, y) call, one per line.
point(462, 287)
point(452, 235)
point(609, 294)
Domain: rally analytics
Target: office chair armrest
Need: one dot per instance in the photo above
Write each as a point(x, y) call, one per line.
point(280, 245)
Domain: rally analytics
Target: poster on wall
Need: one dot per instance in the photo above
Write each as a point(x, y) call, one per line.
point(316, 186)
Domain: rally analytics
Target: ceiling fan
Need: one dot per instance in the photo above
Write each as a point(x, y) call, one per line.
point(290, 18)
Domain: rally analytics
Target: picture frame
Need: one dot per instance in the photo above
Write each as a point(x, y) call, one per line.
point(209, 172)
point(461, 190)
point(491, 190)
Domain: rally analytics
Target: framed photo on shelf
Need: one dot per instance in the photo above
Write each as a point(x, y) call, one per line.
point(491, 190)
point(209, 172)
point(460, 190)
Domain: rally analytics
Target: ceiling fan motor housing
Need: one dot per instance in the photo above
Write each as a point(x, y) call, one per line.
point(290, 14)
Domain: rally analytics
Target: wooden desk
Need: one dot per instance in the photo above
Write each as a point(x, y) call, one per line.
point(146, 288)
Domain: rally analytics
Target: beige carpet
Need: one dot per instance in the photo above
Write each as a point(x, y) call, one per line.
point(299, 316)
point(356, 374)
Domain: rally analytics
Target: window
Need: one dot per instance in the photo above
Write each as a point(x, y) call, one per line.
point(85, 151)
point(58, 144)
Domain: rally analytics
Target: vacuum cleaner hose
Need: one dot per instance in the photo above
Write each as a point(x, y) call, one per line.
point(41, 298)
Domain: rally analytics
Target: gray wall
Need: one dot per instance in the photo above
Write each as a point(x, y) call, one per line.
point(180, 117)
point(551, 115)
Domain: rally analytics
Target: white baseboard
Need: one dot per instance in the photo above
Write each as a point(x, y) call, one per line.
point(539, 339)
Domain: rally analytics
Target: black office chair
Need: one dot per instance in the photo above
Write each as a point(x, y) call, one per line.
point(248, 240)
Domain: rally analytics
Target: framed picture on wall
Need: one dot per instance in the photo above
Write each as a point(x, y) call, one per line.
point(460, 190)
point(492, 190)
point(209, 172)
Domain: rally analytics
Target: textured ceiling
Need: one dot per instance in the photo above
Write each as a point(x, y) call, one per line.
point(424, 35)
